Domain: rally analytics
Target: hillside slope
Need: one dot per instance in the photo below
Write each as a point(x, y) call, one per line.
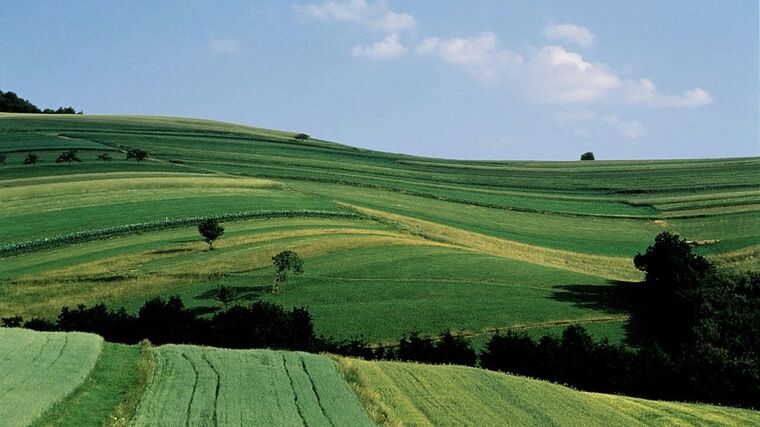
point(426, 244)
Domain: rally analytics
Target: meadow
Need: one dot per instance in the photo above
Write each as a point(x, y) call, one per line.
point(436, 244)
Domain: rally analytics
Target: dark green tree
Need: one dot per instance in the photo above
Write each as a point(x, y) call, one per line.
point(587, 156)
point(224, 294)
point(104, 157)
point(301, 137)
point(211, 230)
point(137, 154)
point(285, 262)
point(31, 159)
point(68, 156)
point(3, 158)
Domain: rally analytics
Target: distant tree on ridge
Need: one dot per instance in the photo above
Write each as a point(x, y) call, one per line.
point(587, 156)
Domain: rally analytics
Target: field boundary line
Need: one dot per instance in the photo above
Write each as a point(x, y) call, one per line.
point(616, 268)
point(293, 388)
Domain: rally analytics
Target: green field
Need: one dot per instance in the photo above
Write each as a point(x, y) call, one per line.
point(426, 395)
point(200, 386)
point(38, 370)
point(91, 384)
point(441, 244)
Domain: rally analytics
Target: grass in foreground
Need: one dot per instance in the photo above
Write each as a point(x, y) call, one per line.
point(425, 395)
point(38, 370)
point(207, 386)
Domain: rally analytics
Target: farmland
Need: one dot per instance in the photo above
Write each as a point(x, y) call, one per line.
point(206, 386)
point(38, 370)
point(426, 395)
point(432, 244)
point(188, 385)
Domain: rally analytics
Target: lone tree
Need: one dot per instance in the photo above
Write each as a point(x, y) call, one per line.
point(587, 156)
point(210, 229)
point(31, 159)
point(137, 154)
point(284, 262)
point(224, 294)
point(68, 156)
point(302, 137)
point(3, 157)
point(104, 157)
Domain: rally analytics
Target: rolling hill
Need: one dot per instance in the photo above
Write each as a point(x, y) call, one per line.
point(424, 244)
point(88, 384)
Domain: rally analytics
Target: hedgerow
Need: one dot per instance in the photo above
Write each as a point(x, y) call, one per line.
point(67, 239)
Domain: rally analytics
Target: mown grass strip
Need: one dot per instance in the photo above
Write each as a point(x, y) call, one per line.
point(616, 268)
point(61, 240)
point(94, 401)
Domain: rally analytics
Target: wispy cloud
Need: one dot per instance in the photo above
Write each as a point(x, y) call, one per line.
point(583, 118)
point(387, 48)
point(577, 34)
point(373, 15)
point(225, 45)
point(645, 92)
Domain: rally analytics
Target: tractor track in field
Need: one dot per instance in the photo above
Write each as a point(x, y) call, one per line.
point(314, 390)
point(293, 388)
point(192, 394)
point(216, 388)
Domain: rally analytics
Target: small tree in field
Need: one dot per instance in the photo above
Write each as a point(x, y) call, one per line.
point(284, 262)
point(104, 157)
point(587, 156)
point(137, 154)
point(224, 294)
point(3, 157)
point(68, 156)
point(301, 137)
point(31, 159)
point(210, 229)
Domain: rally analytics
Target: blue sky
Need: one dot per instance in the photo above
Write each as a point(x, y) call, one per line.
point(461, 79)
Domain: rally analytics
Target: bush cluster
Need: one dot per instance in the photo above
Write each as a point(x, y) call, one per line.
point(12, 249)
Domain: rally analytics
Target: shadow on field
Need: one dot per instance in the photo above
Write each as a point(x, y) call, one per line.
point(244, 293)
point(615, 298)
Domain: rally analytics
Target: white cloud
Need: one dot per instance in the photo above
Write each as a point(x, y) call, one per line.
point(632, 129)
point(561, 77)
point(225, 45)
point(374, 15)
point(645, 92)
point(385, 49)
point(581, 36)
point(480, 54)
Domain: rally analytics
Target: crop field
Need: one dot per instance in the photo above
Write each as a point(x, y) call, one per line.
point(198, 386)
point(435, 244)
point(38, 370)
point(427, 395)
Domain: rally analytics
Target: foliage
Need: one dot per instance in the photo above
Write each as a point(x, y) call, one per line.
point(11, 103)
point(285, 262)
point(211, 230)
point(137, 154)
point(301, 137)
point(588, 156)
point(104, 157)
point(68, 156)
point(31, 159)
point(3, 158)
point(224, 294)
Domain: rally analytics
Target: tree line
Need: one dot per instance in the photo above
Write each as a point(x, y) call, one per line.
point(695, 333)
point(72, 155)
point(12, 103)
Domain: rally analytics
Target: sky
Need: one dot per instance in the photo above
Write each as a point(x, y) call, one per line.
point(488, 79)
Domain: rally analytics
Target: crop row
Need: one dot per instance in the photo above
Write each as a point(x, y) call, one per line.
point(60, 240)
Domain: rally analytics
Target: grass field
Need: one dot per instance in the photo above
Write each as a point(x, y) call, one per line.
point(38, 370)
point(471, 246)
point(197, 386)
point(425, 395)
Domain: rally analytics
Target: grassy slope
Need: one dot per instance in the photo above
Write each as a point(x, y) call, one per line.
point(469, 245)
point(38, 370)
point(425, 395)
point(207, 386)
